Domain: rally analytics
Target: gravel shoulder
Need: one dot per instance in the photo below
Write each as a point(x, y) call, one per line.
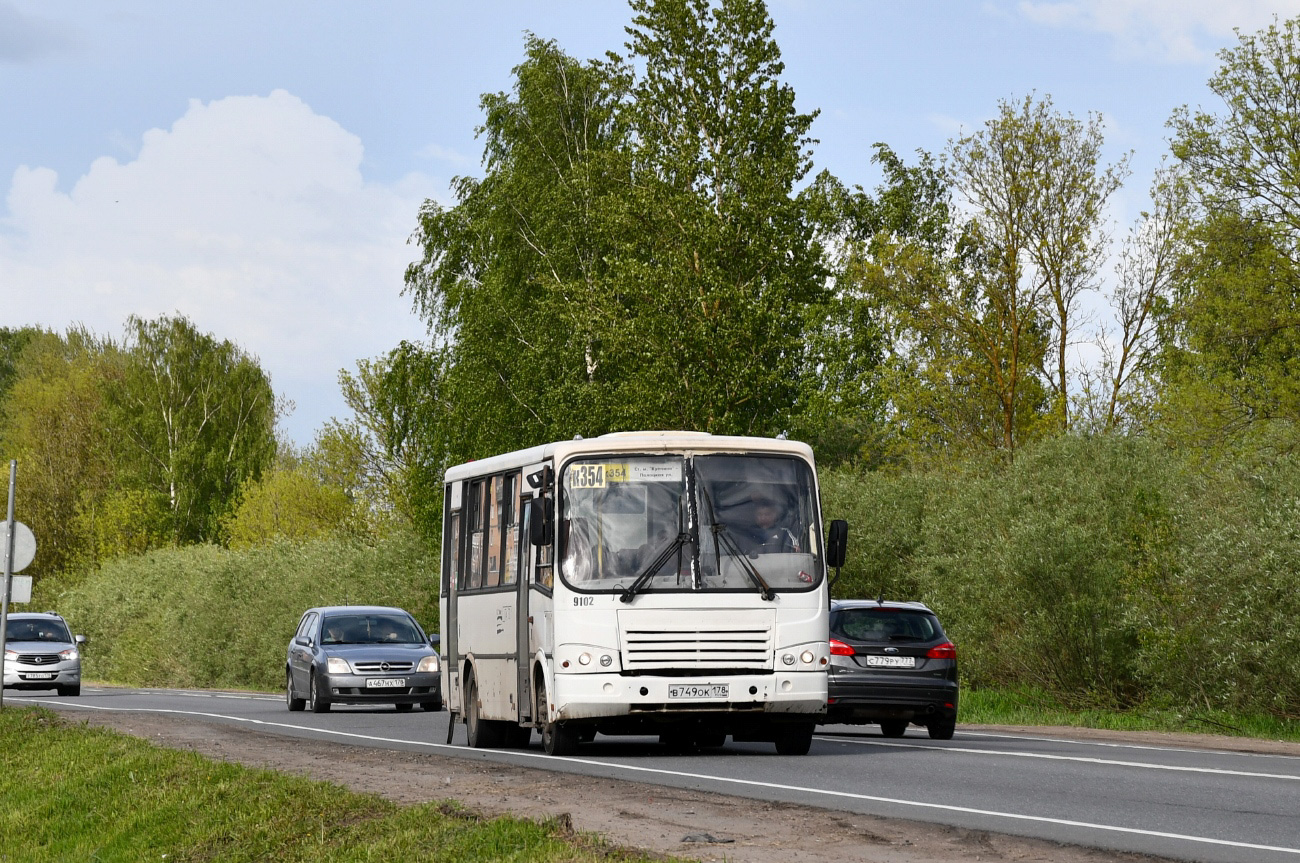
point(660, 821)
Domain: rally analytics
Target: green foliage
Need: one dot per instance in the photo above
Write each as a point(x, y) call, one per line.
point(195, 418)
point(79, 793)
point(636, 255)
point(288, 503)
point(203, 616)
point(52, 425)
point(1232, 344)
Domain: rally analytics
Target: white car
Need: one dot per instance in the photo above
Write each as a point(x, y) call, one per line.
point(42, 653)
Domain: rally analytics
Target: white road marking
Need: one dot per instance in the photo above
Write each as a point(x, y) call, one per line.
point(1116, 745)
point(722, 780)
point(1115, 762)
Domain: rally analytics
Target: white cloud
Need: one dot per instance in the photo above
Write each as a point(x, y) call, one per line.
point(1179, 31)
point(251, 217)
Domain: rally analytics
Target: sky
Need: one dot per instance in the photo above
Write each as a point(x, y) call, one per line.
point(259, 167)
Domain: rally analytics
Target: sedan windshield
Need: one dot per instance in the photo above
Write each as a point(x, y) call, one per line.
point(369, 629)
point(711, 522)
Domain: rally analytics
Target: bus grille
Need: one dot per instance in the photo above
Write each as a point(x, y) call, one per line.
point(696, 640)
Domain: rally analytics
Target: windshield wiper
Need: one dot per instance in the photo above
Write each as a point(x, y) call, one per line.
point(630, 592)
point(722, 537)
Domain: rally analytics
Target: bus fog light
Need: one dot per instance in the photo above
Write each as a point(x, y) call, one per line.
point(788, 659)
point(609, 688)
point(786, 686)
point(584, 659)
point(807, 657)
point(606, 660)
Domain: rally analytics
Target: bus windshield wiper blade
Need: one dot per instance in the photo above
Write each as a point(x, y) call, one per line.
point(721, 537)
point(764, 589)
point(630, 592)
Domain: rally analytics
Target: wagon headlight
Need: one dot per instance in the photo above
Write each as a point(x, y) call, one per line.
point(337, 665)
point(429, 663)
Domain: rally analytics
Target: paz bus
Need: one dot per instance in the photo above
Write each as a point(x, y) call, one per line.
point(662, 583)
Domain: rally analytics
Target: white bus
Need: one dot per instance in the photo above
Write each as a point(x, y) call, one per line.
point(661, 583)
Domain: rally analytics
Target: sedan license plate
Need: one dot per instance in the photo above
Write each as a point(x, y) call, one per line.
point(700, 690)
point(40, 677)
point(892, 661)
point(386, 683)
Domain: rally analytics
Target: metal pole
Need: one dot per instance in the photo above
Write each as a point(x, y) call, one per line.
point(9, 571)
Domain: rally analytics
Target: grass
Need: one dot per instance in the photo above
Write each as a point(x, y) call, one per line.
point(1032, 707)
point(75, 793)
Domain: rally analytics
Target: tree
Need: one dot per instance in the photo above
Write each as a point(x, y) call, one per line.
point(52, 424)
point(1231, 361)
point(635, 255)
point(1034, 180)
point(287, 502)
point(194, 418)
point(1141, 299)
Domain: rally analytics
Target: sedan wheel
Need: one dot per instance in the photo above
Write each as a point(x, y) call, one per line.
point(292, 701)
point(318, 702)
point(893, 727)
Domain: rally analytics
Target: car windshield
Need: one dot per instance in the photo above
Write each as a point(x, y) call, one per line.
point(36, 630)
point(708, 522)
point(884, 625)
point(369, 629)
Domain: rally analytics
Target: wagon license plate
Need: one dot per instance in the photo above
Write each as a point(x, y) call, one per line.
point(892, 661)
point(386, 683)
point(39, 677)
point(700, 691)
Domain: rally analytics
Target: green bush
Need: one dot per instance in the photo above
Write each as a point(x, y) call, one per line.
point(1101, 570)
point(203, 616)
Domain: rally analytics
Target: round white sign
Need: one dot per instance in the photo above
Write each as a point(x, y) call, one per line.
point(24, 545)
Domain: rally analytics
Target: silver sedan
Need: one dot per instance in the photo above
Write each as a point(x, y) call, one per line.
point(361, 654)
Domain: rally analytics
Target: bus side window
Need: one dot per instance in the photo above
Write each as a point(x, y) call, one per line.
point(544, 572)
point(473, 575)
point(509, 527)
point(451, 551)
point(493, 547)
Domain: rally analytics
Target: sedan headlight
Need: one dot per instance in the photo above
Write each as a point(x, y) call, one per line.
point(337, 665)
point(429, 663)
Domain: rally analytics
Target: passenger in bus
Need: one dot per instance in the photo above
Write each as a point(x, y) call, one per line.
point(768, 534)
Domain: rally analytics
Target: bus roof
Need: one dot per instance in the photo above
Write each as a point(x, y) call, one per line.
point(630, 442)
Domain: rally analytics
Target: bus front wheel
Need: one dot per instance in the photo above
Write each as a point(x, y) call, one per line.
point(794, 739)
point(558, 738)
point(481, 733)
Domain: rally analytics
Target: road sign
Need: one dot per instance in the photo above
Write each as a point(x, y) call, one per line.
point(21, 590)
point(24, 545)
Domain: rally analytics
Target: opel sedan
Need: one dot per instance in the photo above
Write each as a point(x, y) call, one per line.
point(354, 654)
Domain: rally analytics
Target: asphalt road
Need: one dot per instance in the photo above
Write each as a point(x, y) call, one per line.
point(1181, 803)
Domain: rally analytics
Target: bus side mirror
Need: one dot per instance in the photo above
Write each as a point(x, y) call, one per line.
point(837, 543)
point(540, 523)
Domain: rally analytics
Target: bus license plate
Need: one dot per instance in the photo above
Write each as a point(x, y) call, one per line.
point(700, 690)
point(386, 683)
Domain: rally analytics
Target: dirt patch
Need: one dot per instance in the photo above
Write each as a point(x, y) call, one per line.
point(654, 819)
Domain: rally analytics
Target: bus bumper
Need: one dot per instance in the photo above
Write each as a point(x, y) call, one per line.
point(597, 696)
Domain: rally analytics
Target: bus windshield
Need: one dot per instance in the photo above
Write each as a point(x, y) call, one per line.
point(704, 522)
